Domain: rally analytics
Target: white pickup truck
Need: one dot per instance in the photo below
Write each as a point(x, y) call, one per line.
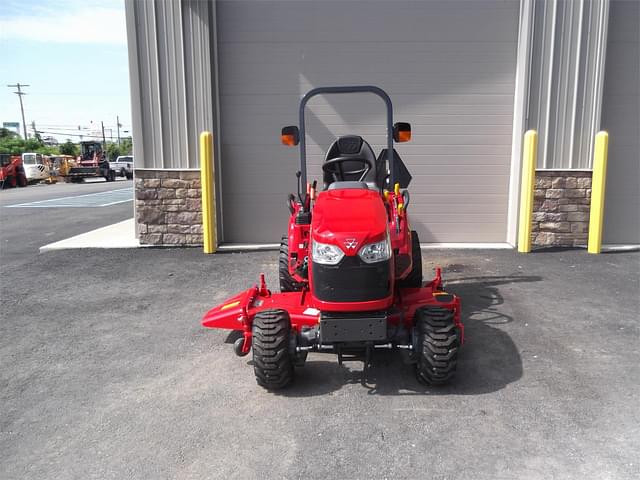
point(123, 166)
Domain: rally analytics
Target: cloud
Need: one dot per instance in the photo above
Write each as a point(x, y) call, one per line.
point(69, 22)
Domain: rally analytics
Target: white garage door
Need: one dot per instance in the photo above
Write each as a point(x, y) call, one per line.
point(449, 68)
point(621, 118)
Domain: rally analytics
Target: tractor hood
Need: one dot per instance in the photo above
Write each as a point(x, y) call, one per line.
point(349, 218)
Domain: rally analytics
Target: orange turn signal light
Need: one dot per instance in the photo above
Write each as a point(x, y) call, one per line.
point(289, 140)
point(404, 136)
point(290, 136)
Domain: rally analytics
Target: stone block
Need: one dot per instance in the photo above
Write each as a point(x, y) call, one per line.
point(556, 226)
point(150, 238)
point(181, 192)
point(174, 228)
point(171, 208)
point(151, 183)
point(194, 239)
point(196, 229)
point(166, 193)
point(156, 228)
point(575, 193)
point(583, 208)
point(555, 193)
point(194, 193)
point(174, 183)
point(578, 216)
point(545, 238)
point(146, 194)
point(571, 182)
point(190, 175)
point(543, 182)
point(193, 204)
point(549, 206)
point(558, 182)
point(539, 193)
point(539, 216)
point(584, 182)
point(173, 201)
point(569, 208)
point(580, 227)
point(150, 215)
point(184, 218)
point(174, 239)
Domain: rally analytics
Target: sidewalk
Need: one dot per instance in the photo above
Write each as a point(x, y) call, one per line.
point(118, 235)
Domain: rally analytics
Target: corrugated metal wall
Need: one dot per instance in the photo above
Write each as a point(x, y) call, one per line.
point(171, 64)
point(566, 78)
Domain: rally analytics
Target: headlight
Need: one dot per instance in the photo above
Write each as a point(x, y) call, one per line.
point(326, 254)
point(376, 252)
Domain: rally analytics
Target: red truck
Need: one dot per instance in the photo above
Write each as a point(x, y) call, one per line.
point(11, 171)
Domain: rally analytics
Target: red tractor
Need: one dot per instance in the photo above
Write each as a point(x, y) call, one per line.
point(12, 171)
point(350, 270)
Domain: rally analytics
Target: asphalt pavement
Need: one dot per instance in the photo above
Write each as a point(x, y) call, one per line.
point(23, 230)
point(106, 372)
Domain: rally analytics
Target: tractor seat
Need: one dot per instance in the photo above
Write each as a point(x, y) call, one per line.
point(351, 146)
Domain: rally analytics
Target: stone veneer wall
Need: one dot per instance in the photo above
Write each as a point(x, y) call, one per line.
point(561, 208)
point(168, 207)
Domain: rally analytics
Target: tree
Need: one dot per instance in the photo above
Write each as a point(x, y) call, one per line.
point(69, 148)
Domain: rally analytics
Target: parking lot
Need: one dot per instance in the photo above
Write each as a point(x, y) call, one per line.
point(106, 372)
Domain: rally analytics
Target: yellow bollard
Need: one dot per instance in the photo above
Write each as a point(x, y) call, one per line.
point(208, 204)
point(598, 184)
point(529, 157)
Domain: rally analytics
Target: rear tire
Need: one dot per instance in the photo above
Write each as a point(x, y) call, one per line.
point(438, 343)
point(272, 362)
point(287, 282)
point(414, 279)
point(10, 182)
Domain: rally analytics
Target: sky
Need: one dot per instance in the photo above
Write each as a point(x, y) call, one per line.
point(73, 56)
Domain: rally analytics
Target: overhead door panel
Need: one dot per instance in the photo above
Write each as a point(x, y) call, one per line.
point(449, 68)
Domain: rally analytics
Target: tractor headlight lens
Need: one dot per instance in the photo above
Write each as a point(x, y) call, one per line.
point(376, 252)
point(326, 254)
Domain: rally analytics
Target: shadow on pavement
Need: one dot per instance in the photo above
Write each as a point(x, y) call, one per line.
point(488, 361)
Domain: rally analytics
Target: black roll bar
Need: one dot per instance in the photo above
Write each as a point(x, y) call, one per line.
point(348, 89)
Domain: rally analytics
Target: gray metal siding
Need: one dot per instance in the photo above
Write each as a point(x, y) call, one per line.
point(621, 118)
point(172, 80)
point(569, 40)
point(449, 68)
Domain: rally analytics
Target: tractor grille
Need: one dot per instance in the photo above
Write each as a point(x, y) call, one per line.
point(352, 280)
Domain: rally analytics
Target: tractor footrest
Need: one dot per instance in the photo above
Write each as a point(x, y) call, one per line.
point(350, 327)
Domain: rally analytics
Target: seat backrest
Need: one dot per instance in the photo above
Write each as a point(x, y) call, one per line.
point(351, 146)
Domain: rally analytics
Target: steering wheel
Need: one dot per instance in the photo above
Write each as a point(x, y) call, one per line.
point(335, 166)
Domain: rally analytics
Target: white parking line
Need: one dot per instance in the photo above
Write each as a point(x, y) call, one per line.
point(97, 199)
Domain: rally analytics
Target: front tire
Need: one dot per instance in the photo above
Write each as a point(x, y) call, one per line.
point(438, 343)
point(287, 282)
point(272, 361)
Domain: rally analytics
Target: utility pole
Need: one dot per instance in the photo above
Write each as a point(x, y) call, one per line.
point(119, 125)
point(33, 127)
point(20, 93)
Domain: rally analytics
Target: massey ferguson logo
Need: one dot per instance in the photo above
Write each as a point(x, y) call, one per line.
point(350, 243)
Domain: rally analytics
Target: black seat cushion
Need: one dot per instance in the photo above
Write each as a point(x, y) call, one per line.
point(351, 146)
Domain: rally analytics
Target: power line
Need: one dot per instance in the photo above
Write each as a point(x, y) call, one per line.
point(20, 93)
